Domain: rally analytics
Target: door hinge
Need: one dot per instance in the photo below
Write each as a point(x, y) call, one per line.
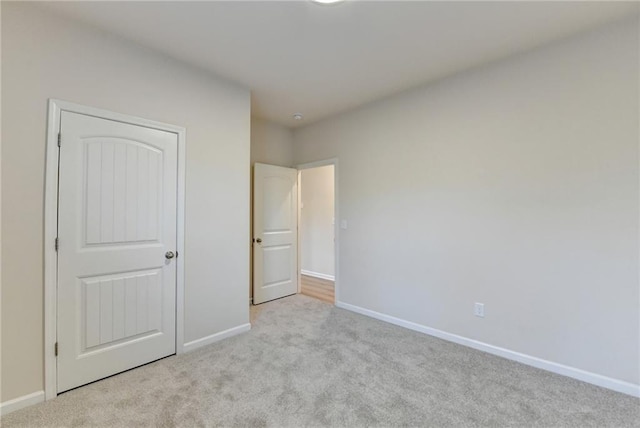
point(57, 244)
point(59, 139)
point(55, 349)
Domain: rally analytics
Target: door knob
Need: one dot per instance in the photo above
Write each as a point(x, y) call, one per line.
point(259, 241)
point(169, 255)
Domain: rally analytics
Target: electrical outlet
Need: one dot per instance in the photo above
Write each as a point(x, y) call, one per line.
point(478, 310)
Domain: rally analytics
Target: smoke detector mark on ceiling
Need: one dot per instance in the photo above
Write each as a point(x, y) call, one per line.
point(327, 1)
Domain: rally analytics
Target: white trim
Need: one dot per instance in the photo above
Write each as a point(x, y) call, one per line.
point(318, 164)
point(336, 215)
point(21, 402)
point(299, 233)
point(0, 224)
point(51, 221)
point(180, 220)
point(561, 369)
point(317, 275)
point(199, 343)
point(50, 255)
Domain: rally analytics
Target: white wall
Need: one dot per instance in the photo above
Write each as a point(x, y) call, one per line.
point(44, 56)
point(271, 143)
point(316, 220)
point(514, 185)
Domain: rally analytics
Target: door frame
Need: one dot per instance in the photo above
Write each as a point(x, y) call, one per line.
point(336, 225)
point(56, 107)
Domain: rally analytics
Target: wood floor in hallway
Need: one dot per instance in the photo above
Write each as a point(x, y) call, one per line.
point(321, 289)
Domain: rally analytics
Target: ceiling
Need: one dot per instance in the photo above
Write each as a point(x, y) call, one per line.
point(319, 60)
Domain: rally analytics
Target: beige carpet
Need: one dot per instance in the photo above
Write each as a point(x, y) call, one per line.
point(306, 363)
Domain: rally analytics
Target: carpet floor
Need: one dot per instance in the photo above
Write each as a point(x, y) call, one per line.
point(307, 363)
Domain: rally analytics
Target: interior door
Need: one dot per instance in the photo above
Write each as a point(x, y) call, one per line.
point(275, 229)
point(117, 240)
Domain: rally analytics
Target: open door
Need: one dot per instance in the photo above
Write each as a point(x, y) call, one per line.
point(275, 226)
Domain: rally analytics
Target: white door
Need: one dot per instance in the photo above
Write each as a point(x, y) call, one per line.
point(275, 229)
point(117, 232)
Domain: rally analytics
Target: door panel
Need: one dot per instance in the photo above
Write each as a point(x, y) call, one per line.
point(117, 218)
point(120, 306)
point(275, 225)
point(127, 177)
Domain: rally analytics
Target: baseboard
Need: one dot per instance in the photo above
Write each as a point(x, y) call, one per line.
point(585, 376)
point(21, 402)
point(190, 346)
point(318, 275)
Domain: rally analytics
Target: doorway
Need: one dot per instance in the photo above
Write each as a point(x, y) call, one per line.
point(277, 263)
point(114, 276)
point(317, 231)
